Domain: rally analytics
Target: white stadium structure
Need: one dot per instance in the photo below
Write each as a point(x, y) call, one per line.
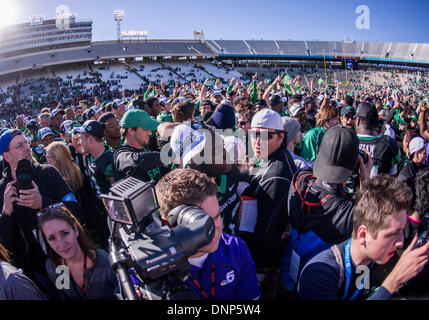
point(43, 49)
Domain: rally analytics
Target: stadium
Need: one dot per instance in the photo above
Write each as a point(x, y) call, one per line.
point(158, 169)
point(40, 49)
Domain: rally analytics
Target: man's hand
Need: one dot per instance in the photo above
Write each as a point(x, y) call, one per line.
point(409, 265)
point(30, 198)
point(10, 196)
point(255, 77)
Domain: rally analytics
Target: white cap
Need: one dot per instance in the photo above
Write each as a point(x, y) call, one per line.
point(267, 119)
point(217, 93)
point(187, 142)
point(416, 144)
point(96, 109)
point(44, 132)
point(295, 108)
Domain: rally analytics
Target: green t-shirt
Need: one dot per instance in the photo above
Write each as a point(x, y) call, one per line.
point(311, 143)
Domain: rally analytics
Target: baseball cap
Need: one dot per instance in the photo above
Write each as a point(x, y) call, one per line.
point(261, 102)
point(93, 111)
point(267, 119)
point(139, 104)
point(291, 126)
point(138, 118)
point(45, 132)
point(117, 103)
point(85, 115)
point(6, 137)
point(56, 111)
point(66, 126)
point(368, 111)
point(416, 144)
point(307, 100)
point(93, 127)
point(295, 109)
point(275, 100)
point(338, 155)
point(32, 124)
point(217, 93)
point(347, 109)
point(187, 142)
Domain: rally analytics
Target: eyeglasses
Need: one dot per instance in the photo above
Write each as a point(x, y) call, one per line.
point(243, 123)
point(52, 206)
point(264, 135)
point(349, 116)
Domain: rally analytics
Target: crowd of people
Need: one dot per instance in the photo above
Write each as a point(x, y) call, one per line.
point(316, 191)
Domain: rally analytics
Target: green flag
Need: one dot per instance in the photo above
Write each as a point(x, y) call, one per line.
point(286, 78)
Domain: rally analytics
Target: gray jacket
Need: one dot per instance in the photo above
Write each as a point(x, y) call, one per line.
point(14, 285)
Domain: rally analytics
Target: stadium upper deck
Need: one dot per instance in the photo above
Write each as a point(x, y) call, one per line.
point(33, 46)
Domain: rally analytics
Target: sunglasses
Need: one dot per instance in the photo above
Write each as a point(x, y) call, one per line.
point(243, 123)
point(264, 135)
point(52, 206)
point(349, 116)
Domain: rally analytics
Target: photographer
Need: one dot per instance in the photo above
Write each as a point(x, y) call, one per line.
point(18, 218)
point(223, 269)
point(378, 221)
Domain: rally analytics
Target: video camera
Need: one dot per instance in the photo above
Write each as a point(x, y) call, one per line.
point(157, 255)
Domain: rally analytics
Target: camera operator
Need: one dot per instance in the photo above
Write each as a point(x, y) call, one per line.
point(223, 269)
point(133, 158)
point(379, 218)
point(18, 222)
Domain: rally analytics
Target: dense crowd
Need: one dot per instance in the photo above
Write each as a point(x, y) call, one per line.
point(316, 190)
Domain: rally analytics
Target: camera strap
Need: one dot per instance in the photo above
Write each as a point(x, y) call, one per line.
point(212, 281)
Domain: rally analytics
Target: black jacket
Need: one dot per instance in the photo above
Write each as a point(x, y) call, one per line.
point(143, 165)
point(332, 220)
point(26, 250)
point(270, 185)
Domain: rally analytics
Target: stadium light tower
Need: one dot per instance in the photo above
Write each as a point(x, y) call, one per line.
point(119, 15)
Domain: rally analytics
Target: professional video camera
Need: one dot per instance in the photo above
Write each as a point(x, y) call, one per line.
point(154, 257)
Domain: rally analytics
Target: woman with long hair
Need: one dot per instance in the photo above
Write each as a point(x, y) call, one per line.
point(58, 155)
point(86, 271)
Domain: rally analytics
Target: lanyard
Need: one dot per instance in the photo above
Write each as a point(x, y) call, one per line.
point(348, 265)
point(199, 287)
point(84, 279)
